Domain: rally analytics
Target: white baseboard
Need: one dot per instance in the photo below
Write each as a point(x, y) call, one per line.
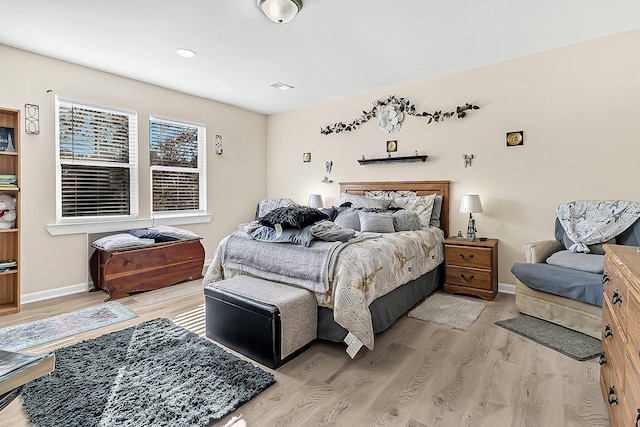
point(53, 293)
point(507, 288)
point(70, 290)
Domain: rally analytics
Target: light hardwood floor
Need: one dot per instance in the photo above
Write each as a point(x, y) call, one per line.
point(420, 374)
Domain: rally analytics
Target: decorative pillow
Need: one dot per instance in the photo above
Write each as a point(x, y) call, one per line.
point(119, 241)
point(422, 205)
point(267, 205)
point(178, 233)
point(348, 218)
point(593, 249)
point(376, 222)
point(404, 220)
point(437, 208)
point(292, 217)
point(145, 233)
point(330, 232)
point(578, 261)
point(364, 202)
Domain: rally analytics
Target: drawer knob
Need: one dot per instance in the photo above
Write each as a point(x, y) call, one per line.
point(465, 278)
point(605, 278)
point(612, 396)
point(465, 257)
point(607, 330)
point(616, 298)
point(603, 360)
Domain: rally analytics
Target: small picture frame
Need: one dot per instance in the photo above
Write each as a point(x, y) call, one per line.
point(7, 141)
point(392, 146)
point(306, 157)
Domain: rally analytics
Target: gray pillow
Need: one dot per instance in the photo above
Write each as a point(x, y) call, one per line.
point(375, 222)
point(404, 220)
point(578, 261)
point(348, 218)
point(120, 241)
point(593, 249)
point(435, 213)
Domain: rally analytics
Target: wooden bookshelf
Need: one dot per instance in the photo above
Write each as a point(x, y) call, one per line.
point(10, 239)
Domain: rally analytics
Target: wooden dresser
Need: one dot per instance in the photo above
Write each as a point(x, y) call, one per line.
point(471, 267)
point(620, 360)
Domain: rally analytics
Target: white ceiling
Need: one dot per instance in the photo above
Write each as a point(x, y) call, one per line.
point(332, 49)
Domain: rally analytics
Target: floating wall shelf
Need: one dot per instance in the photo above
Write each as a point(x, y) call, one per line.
point(404, 159)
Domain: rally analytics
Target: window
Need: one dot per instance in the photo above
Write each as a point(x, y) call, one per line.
point(96, 154)
point(178, 178)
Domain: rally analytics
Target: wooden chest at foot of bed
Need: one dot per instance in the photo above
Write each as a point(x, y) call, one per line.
point(124, 271)
point(253, 326)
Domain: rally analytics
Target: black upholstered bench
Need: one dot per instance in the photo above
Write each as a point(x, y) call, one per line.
point(268, 322)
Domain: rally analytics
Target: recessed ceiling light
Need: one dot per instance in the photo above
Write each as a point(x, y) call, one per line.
point(185, 53)
point(281, 86)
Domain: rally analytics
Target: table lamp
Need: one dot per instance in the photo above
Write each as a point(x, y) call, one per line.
point(315, 201)
point(470, 203)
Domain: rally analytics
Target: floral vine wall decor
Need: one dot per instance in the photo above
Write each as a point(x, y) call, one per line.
point(389, 120)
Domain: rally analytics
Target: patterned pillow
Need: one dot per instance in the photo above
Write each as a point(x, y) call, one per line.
point(178, 233)
point(145, 233)
point(422, 205)
point(119, 241)
point(376, 222)
point(364, 202)
point(267, 205)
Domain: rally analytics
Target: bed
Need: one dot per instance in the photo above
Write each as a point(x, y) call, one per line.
point(370, 281)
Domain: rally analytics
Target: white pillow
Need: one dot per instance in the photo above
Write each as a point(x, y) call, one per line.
point(364, 202)
point(376, 222)
point(119, 241)
point(178, 233)
point(422, 205)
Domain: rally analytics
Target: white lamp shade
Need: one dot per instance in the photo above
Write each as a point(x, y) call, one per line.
point(280, 11)
point(315, 201)
point(470, 203)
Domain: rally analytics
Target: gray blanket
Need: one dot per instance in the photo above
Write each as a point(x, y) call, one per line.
point(282, 262)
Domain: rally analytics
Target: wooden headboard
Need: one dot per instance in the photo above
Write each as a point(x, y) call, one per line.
point(422, 188)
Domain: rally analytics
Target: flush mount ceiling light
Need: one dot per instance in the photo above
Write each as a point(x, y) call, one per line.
point(280, 11)
point(185, 53)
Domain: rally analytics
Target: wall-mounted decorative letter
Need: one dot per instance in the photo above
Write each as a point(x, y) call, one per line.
point(391, 117)
point(467, 159)
point(219, 145)
point(32, 119)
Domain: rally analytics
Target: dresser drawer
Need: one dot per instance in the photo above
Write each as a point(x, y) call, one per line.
point(469, 277)
point(615, 399)
point(633, 324)
point(613, 343)
point(466, 256)
point(632, 386)
point(615, 291)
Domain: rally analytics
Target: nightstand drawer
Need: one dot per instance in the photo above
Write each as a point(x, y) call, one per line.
point(470, 277)
point(467, 256)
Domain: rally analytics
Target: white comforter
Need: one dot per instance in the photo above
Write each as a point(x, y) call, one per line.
point(364, 271)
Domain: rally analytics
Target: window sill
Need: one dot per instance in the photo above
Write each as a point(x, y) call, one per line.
point(127, 224)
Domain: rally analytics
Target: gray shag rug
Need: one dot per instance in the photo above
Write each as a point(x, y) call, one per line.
point(448, 310)
point(152, 374)
point(571, 343)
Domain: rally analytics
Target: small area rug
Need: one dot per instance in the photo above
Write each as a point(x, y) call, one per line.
point(38, 332)
point(574, 344)
point(454, 312)
point(152, 374)
point(169, 293)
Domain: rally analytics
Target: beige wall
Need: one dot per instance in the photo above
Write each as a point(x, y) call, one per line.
point(578, 109)
point(235, 179)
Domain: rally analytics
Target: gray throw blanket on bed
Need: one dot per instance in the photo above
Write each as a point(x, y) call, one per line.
point(307, 267)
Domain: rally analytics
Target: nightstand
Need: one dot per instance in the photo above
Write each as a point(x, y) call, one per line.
point(471, 267)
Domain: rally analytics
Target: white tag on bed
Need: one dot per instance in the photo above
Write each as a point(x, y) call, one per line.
point(353, 343)
point(278, 228)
